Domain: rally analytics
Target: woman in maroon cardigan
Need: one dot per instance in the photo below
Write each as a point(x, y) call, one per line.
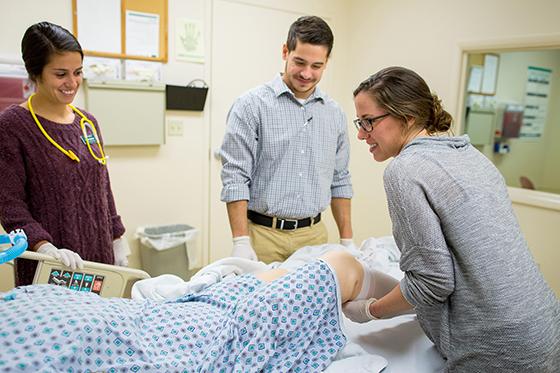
point(55, 183)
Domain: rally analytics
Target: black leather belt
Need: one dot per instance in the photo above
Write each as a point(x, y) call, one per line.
point(284, 224)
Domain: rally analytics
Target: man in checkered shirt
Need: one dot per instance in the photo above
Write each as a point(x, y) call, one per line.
point(285, 155)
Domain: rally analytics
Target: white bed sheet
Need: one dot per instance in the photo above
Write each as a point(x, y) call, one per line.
point(401, 341)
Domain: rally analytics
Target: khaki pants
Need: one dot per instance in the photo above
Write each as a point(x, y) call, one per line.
point(273, 244)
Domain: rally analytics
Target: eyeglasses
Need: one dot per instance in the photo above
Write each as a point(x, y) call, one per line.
point(367, 124)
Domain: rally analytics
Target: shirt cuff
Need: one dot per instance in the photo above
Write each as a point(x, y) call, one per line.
point(343, 191)
point(235, 192)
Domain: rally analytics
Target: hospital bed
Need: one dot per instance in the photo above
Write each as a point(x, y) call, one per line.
point(399, 340)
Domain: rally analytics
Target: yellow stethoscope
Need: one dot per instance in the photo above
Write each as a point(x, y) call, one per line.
point(69, 153)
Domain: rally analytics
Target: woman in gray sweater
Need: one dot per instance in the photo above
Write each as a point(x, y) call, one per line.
point(469, 275)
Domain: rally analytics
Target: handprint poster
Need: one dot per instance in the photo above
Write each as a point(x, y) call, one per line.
point(189, 40)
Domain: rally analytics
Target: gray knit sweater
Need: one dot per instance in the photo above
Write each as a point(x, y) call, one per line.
point(477, 291)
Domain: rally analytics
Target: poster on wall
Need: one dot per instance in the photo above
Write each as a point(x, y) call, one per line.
point(99, 35)
point(142, 34)
point(536, 102)
point(189, 42)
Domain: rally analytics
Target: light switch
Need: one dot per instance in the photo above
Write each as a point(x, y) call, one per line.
point(175, 127)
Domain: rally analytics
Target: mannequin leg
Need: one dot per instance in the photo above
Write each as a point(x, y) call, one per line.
point(349, 272)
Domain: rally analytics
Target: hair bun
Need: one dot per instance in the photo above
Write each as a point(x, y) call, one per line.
point(442, 119)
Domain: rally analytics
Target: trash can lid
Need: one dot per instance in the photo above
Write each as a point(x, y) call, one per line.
point(166, 229)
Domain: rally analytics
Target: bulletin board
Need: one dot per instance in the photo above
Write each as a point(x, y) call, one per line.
point(127, 29)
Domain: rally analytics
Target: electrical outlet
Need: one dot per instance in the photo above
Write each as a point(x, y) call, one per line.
point(175, 127)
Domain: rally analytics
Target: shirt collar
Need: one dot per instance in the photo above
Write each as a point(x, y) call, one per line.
point(280, 88)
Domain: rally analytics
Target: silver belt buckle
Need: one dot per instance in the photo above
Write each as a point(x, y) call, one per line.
point(282, 221)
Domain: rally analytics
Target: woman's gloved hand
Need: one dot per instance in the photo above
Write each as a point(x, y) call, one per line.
point(65, 256)
point(121, 250)
point(358, 310)
point(242, 248)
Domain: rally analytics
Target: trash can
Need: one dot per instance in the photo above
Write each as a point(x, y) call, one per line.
point(167, 249)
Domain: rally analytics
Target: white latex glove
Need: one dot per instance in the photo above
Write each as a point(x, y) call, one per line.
point(121, 251)
point(65, 256)
point(348, 243)
point(242, 248)
point(358, 310)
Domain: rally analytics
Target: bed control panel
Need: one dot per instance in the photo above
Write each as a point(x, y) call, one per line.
point(102, 279)
point(78, 281)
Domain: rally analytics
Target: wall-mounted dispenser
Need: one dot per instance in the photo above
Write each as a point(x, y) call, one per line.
point(191, 97)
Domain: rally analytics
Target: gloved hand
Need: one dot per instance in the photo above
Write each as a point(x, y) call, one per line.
point(65, 256)
point(121, 251)
point(349, 244)
point(358, 310)
point(242, 248)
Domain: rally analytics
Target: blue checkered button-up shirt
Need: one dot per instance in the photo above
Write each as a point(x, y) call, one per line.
point(286, 158)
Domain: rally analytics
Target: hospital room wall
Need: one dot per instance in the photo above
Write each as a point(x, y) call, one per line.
point(426, 36)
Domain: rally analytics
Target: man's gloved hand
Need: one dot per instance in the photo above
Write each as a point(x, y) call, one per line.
point(358, 310)
point(65, 256)
point(242, 248)
point(121, 251)
point(349, 244)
